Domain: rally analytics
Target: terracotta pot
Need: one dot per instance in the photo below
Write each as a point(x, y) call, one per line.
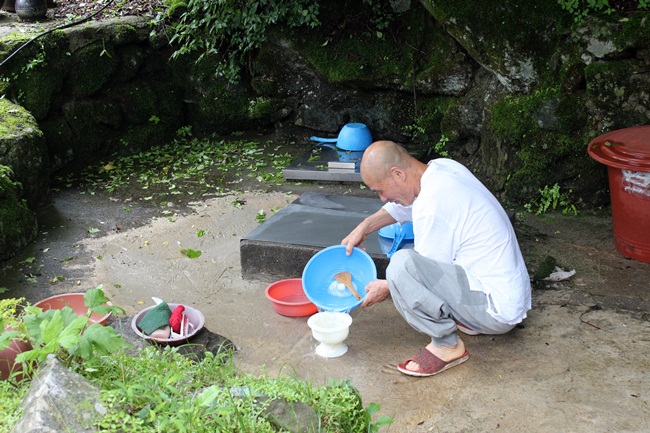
point(8, 357)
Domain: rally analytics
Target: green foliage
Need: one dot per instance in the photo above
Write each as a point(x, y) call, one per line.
point(549, 199)
point(187, 166)
point(160, 390)
point(580, 9)
point(62, 332)
point(10, 399)
point(231, 29)
point(7, 186)
point(261, 216)
point(439, 147)
point(381, 16)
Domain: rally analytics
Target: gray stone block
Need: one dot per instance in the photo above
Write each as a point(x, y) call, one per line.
point(60, 401)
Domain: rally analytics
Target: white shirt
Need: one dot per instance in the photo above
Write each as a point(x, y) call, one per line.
point(456, 219)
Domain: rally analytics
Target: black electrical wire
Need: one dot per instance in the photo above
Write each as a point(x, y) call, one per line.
point(64, 26)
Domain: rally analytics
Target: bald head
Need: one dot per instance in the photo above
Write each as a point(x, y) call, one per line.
point(380, 157)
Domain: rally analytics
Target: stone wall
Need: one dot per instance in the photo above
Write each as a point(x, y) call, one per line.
point(514, 92)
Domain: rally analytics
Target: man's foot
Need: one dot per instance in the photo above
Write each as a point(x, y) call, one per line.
point(434, 359)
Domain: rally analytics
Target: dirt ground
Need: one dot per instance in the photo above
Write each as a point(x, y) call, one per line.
point(579, 363)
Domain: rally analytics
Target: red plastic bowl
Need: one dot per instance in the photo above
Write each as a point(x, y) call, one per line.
point(74, 301)
point(288, 298)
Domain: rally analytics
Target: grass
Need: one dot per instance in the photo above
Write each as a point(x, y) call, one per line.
point(162, 390)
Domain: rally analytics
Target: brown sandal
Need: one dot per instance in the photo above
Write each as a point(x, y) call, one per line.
point(429, 364)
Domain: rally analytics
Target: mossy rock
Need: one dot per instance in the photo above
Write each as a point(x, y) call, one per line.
point(18, 226)
point(538, 140)
point(91, 68)
point(390, 60)
point(35, 74)
point(513, 39)
point(618, 90)
point(22, 148)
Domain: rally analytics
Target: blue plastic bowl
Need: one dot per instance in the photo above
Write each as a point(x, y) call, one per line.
point(388, 232)
point(322, 289)
point(355, 137)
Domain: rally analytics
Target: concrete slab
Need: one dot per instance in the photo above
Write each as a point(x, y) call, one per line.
point(281, 247)
point(325, 164)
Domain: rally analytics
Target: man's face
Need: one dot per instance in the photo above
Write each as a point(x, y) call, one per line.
point(390, 189)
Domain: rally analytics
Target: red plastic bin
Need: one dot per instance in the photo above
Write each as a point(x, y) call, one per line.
point(626, 153)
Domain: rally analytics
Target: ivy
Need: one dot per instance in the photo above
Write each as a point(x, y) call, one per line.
point(232, 29)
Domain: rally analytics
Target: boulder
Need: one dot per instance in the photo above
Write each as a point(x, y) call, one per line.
point(59, 401)
point(22, 148)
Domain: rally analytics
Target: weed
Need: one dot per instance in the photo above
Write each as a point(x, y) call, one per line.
point(549, 199)
point(439, 147)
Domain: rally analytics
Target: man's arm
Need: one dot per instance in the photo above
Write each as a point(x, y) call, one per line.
point(379, 219)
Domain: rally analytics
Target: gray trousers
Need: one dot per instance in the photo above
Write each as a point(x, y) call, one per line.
point(432, 296)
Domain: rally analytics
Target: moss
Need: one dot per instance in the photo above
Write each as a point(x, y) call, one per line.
point(389, 59)
point(176, 7)
point(545, 268)
point(35, 74)
point(92, 66)
point(18, 224)
point(430, 114)
point(635, 32)
point(510, 26)
point(619, 90)
point(548, 134)
point(122, 34)
point(260, 108)
point(14, 120)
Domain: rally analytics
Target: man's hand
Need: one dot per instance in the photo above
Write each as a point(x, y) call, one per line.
point(374, 222)
point(354, 239)
point(376, 291)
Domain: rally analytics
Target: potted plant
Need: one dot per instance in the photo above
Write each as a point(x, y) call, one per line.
point(67, 334)
point(11, 343)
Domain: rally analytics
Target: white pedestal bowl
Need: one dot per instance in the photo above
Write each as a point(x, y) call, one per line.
point(330, 329)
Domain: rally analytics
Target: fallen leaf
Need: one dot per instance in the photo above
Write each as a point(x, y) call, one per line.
point(192, 254)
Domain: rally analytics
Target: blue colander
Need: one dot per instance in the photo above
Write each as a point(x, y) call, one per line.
point(324, 291)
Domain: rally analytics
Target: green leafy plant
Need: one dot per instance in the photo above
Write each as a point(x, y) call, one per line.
point(440, 147)
point(549, 199)
point(580, 9)
point(72, 338)
point(229, 30)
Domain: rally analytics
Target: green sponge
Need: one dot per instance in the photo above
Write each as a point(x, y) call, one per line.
point(155, 318)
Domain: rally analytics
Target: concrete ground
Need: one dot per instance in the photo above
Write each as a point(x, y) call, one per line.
point(579, 363)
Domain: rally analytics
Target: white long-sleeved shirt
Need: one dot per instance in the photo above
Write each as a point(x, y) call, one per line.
point(456, 219)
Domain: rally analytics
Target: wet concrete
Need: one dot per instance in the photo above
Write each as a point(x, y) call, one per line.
point(579, 363)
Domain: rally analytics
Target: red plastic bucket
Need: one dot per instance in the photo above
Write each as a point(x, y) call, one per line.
point(626, 153)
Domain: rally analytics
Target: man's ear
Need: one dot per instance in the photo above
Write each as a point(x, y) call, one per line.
point(398, 174)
